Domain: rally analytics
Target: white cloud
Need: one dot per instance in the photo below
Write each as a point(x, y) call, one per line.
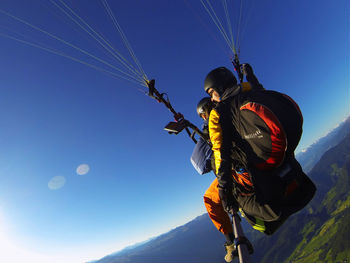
point(83, 169)
point(56, 182)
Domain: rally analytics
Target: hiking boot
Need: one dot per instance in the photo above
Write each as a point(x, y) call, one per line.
point(231, 252)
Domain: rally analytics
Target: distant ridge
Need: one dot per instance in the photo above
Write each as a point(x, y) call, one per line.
point(313, 153)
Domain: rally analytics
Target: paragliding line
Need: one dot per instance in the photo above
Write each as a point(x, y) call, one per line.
point(113, 74)
point(67, 43)
point(107, 46)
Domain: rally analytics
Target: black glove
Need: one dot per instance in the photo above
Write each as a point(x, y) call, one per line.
point(228, 201)
point(247, 69)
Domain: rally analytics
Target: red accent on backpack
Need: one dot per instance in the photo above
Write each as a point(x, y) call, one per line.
point(277, 135)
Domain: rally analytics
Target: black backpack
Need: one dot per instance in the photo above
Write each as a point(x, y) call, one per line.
point(268, 127)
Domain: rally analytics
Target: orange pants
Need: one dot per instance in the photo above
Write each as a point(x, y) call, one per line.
point(215, 209)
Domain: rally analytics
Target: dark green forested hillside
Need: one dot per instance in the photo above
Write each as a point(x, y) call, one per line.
point(326, 238)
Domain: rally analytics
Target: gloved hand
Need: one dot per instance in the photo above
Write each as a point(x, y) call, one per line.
point(228, 201)
point(247, 69)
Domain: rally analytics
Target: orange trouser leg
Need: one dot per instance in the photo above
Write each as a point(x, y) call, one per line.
point(215, 210)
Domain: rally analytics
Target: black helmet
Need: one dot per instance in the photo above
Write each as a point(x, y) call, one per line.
point(219, 80)
point(204, 106)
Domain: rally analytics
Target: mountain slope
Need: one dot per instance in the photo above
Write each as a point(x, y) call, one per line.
point(330, 243)
point(196, 241)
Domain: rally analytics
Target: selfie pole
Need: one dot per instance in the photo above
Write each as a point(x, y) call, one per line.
point(242, 244)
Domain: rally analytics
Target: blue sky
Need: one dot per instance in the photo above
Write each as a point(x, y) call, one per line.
point(57, 114)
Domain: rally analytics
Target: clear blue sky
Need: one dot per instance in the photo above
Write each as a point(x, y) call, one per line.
point(57, 114)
